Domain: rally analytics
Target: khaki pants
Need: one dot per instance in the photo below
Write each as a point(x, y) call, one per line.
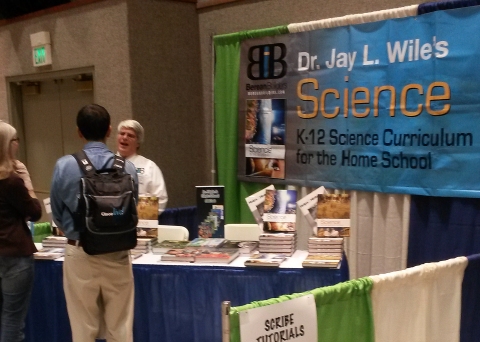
point(99, 290)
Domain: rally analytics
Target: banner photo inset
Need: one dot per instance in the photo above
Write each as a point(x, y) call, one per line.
point(390, 106)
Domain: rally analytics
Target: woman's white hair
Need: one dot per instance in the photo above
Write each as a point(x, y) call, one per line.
point(135, 125)
point(7, 133)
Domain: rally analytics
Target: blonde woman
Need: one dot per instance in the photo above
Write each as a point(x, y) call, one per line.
point(17, 205)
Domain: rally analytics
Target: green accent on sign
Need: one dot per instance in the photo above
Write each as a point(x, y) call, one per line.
point(40, 55)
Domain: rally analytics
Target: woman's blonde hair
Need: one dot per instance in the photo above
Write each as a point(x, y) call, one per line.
point(7, 133)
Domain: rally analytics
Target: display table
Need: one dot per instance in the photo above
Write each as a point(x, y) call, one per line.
point(176, 303)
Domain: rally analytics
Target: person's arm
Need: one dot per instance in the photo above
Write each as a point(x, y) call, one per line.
point(28, 207)
point(22, 172)
point(56, 202)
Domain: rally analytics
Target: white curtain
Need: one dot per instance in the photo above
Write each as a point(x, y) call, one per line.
point(379, 232)
point(419, 304)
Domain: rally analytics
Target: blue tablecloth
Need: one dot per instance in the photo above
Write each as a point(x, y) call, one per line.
point(174, 303)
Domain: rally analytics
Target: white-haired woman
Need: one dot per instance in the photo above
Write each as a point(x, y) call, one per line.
point(18, 204)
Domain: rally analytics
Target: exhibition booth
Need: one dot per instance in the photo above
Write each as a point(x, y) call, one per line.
point(425, 218)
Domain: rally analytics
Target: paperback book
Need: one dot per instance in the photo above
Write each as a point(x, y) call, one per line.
point(308, 206)
point(207, 242)
point(147, 210)
point(218, 255)
point(244, 247)
point(180, 255)
point(278, 236)
point(146, 241)
point(255, 203)
point(265, 260)
point(333, 215)
point(201, 255)
point(162, 247)
point(49, 253)
point(54, 241)
point(286, 252)
point(134, 254)
point(313, 260)
point(210, 211)
point(280, 210)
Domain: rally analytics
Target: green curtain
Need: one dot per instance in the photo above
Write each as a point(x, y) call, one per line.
point(344, 312)
point(227, 66)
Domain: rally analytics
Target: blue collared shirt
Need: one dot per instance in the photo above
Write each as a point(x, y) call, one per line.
point(65, 189)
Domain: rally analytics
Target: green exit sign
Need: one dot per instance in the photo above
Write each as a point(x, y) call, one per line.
point(42, 55)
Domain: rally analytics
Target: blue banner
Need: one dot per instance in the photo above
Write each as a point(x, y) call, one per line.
point(391, 106)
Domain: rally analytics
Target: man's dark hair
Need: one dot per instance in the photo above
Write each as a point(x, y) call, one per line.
point(93, 121)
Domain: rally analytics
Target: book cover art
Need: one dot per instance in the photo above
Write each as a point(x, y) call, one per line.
point(244, 247)
point(147, 210)
point(207, 242)
point(265, 138)
point(210, 211)
point(280, 210)
point(265, 260)
point(255, 203)
point(165, 245)
point(217, 255)
point(180, 255)
point(333, 215)
point(308, 206)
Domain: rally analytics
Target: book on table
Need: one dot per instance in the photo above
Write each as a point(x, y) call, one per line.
point(146, 241)
point(279, 214)
point(325, 241)
point(49, 253)
point(217, 255)
point(161, 247)
point(255, 203)
point(207, 242)
point(333, 215)
point(210, 211)
point(201, 255)
point(278, 251)
point(244, 247)
point(54, 241)
point(180, 255)
point(265, 260)
point(322, 261)
point(277, 236)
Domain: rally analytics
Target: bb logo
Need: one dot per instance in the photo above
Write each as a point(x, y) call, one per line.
point(267, 61)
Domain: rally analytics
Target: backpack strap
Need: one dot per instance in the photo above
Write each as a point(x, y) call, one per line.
point(119, 163)
point(84, 163)
point(87, 166)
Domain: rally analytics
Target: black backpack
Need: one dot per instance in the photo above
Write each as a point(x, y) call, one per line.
point(106, 215)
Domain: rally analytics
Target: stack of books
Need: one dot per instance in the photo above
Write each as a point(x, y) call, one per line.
point(324, 252)
point(278, 243)
point(54, 241)
point(144, 244)
point(49, 253)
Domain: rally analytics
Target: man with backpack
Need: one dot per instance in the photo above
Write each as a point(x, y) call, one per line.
point(98, 285)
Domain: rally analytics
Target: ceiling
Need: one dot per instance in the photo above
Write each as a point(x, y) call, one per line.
point(14, 8)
